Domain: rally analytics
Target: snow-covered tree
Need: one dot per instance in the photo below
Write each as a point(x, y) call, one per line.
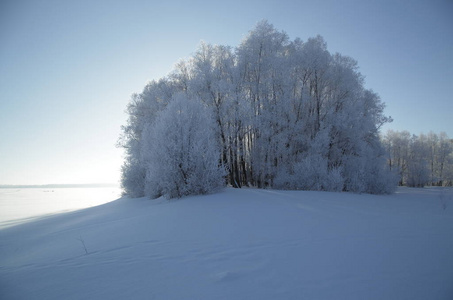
point(417, 166)
point(284, 114)
point(444, 160)
point(142, 109)
point(180, 151)
point(420, 160)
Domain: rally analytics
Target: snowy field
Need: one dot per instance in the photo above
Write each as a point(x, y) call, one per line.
point(238, 244)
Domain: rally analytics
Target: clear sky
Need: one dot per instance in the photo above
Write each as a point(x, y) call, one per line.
point(68, 68)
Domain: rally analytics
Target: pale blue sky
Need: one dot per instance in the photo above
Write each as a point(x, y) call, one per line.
point(68, 68)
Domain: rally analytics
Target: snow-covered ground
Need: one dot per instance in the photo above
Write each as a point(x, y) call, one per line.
point(238, 244)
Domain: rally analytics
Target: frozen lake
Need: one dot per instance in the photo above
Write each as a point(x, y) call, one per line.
point(18, 205)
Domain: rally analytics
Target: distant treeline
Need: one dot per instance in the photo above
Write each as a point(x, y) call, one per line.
point(421, 160)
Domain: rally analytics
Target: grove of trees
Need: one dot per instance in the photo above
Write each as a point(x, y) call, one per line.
point(420, 160)
point(269, 113)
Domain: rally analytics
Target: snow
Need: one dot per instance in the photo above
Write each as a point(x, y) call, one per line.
point(238, 244)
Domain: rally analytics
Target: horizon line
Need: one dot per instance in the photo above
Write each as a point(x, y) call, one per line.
point(60, 185)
